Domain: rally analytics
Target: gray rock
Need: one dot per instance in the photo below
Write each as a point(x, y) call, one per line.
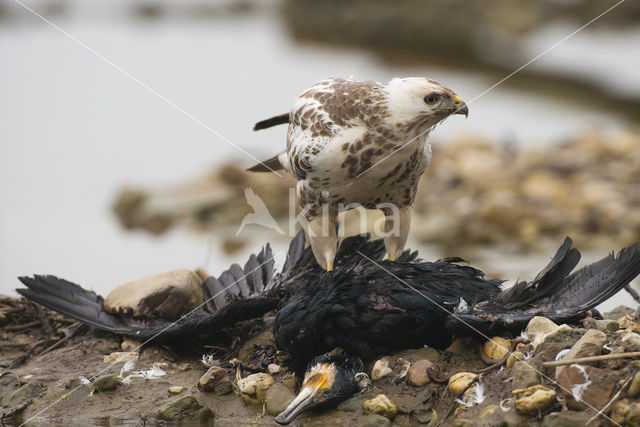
point(168, 295)
point(186, 409)
point(606, 325)
point(561, 338)
point(353, 404)
point(631, 341)
point(216, 380)
point(566, 419)
point(417, 374)
point(590, 344)
point(279, 396)
point(374, 421)
point(524, 375)
point(105, 383)
point(618, 312)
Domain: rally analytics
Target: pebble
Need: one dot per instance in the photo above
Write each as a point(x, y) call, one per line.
point(176, 389)
point(634, 387)
point(626, 412)
point(631, 341)
point(215, 380)
point(105, 383)
point(606, 325)
point(627, 322)
point(380, 405)
point(488, 411)
point(278, 397)
point(534, 399)
point(458, 382)
point(253, 388)
point(380, 369)
point(514, 357)
point(121, 356)
point(417, 374)
point(353, 404)
point(167, 295)
point(129, 345)
point(374, 420)
point(274, 368)
point(566, 419)
point(15, 401)
point(538, 327)
point(524, 375)
point(590, 344)
point(497, 348)
point(186, 409)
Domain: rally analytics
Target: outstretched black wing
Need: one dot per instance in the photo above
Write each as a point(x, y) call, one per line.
point(555, 293)
point(237, 294)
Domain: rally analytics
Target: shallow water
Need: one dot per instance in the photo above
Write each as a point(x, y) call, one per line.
point(75, 128)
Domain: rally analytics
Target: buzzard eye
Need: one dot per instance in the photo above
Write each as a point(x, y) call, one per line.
point(431, 99)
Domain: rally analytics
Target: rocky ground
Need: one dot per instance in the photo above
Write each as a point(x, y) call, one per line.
point(53, 370)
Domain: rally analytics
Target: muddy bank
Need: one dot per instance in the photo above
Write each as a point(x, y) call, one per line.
point(52, 385)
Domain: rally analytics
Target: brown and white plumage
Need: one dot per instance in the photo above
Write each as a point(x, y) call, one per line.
point(360, 142)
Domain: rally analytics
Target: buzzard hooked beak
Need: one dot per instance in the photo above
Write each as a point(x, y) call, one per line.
point(460, 106)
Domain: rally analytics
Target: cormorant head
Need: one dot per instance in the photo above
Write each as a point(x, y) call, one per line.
point(329, 379)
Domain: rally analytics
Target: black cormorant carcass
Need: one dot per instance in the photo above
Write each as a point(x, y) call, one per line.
point(365, 306)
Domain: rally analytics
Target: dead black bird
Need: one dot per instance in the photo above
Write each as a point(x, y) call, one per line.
point(366, 306)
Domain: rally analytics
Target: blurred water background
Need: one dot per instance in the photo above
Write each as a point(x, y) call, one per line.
point(127, 91)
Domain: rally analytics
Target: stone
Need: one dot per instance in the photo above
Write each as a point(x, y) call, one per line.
point(618, 312)
point(121, 356)
point(566, 419)
point(606, 325)
point(380, 405)
point(497, 348)
point(105, 383)
point(584, 386)
point(514, 357)
point(374, 420)
point(629, 323)
point(559, 339)
point(274, 368)
point(253, 388)
point(278, 397)
point(459, 381)
point(130, 345)
point(634, 387)
point(167, 295)
point(538, 326)
point(524, 375)
point(626, 412)
point(417, 374)
point(186, 409)
point(489, 411)
point(353, 404)
point(631, 341)
point(216, 380)
point(534, 399)
point(176, 389)
point(590, 344)
point(380, 369)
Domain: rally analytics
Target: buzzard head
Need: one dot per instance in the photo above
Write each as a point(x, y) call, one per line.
point(421, 103)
